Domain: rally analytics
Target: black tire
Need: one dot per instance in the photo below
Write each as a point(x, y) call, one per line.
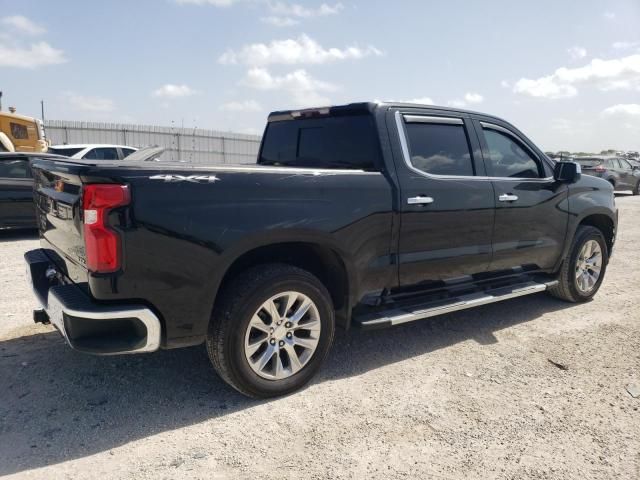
point(567, 285)
point(233, 311)
point(636, 191)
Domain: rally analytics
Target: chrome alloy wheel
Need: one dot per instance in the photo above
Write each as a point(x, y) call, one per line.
point(588, 266)
point(282, 335)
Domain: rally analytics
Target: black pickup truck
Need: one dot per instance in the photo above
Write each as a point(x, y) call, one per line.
point(365, 215)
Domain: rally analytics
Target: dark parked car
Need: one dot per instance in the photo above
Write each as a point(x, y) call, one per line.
point(367, 215)
point(16, 189)
point(619, 172)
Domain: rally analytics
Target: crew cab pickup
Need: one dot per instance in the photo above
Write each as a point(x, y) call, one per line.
point(365, 215)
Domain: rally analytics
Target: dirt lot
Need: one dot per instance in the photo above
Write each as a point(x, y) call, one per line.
point(468, 395)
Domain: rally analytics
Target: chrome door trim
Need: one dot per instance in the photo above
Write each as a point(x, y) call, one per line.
point(404, 146)
point(419, 200)
point(427, 119)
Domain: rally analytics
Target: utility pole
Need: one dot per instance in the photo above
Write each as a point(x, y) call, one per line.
point(0, 101)
point(42, 109)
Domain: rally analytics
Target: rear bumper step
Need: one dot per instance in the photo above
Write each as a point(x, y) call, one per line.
point(88, 326)
point(397, 316)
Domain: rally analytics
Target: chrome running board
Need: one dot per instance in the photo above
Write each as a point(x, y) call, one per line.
point(396, 316)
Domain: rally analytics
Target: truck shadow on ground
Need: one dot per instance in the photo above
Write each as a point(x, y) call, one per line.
point(58, 405)
point(17, 235)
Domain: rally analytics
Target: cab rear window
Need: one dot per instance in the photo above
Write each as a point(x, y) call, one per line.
point(348, 142)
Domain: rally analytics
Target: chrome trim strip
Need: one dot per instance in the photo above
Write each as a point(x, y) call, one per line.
point(56, 310)
point(419, 200)
point(407, 160)
point(466, 301)
point(498, 128)
point(426, 119)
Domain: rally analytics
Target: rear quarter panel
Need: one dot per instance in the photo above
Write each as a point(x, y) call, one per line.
point(182, 236)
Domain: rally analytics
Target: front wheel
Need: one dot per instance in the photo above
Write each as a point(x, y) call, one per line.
point(583, 271)
point(271, 330)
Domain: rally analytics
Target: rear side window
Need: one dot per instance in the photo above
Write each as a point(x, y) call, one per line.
point(507, 158)
point(440, 149)
point(126, 152)
point(102, 154)
point(348, 142)
point(14, 168)
point(18, 131)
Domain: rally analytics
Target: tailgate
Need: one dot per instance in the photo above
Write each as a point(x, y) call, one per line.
point(58, 199)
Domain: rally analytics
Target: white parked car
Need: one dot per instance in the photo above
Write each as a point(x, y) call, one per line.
point(93, 151)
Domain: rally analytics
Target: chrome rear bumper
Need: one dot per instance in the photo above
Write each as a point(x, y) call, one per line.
point(87, 326)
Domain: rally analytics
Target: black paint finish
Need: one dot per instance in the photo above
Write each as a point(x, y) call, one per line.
point(181, 238)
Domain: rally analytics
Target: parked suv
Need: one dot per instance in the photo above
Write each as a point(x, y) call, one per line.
point(619, 172)
point(365, 215)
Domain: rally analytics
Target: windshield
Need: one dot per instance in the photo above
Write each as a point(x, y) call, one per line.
point(589, 162)
point(67, 152)
point(331, 142)
point(146, 154)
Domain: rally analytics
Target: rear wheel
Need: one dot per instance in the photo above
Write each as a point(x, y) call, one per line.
point(271, 330)
point(636, 191)
point(583, 271)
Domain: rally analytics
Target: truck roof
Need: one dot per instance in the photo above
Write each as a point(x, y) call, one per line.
point(367, 107)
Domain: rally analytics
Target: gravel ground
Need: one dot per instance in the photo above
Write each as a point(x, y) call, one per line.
point(528, 388)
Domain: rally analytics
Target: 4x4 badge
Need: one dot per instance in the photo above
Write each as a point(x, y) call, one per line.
point(189, 178)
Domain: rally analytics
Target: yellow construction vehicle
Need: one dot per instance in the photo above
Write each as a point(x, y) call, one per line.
point(19, 133)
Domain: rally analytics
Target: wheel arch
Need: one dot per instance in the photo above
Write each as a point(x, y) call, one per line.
point(323, 261)
point(604, 223)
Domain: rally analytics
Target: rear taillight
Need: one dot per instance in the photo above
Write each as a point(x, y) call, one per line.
point(103, 246)
point(600, 169)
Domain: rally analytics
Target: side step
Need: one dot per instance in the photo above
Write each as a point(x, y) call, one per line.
point(396, 316)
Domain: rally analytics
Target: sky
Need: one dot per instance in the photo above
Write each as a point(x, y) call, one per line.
point(567, 73)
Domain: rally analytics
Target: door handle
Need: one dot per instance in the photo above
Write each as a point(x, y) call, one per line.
point(419, 200)
point(508, 197)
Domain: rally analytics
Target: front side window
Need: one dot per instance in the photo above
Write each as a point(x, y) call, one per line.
point(507, 158)
point(345, 142)
point(102, 154)
point(440, 149)
point(19, 132)
point(14, 168)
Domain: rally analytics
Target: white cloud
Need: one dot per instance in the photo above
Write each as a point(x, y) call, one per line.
point(297, 10)
point(472, 97)
point(616, 74)
point(420, 101)
point(505, 84)
point(90, 103)
point(36, 55)
point(302, 87)
point(23, 25)
point(457, 103)
point(279, 21)
point(609, 15)
point(632, 109)
point(625, 45)
point(174, 91)
point(303, 50)
point(576, 53)
point(244, 106)
point(469, 98)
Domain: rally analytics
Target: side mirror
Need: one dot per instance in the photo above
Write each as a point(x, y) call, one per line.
point(567, 172)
